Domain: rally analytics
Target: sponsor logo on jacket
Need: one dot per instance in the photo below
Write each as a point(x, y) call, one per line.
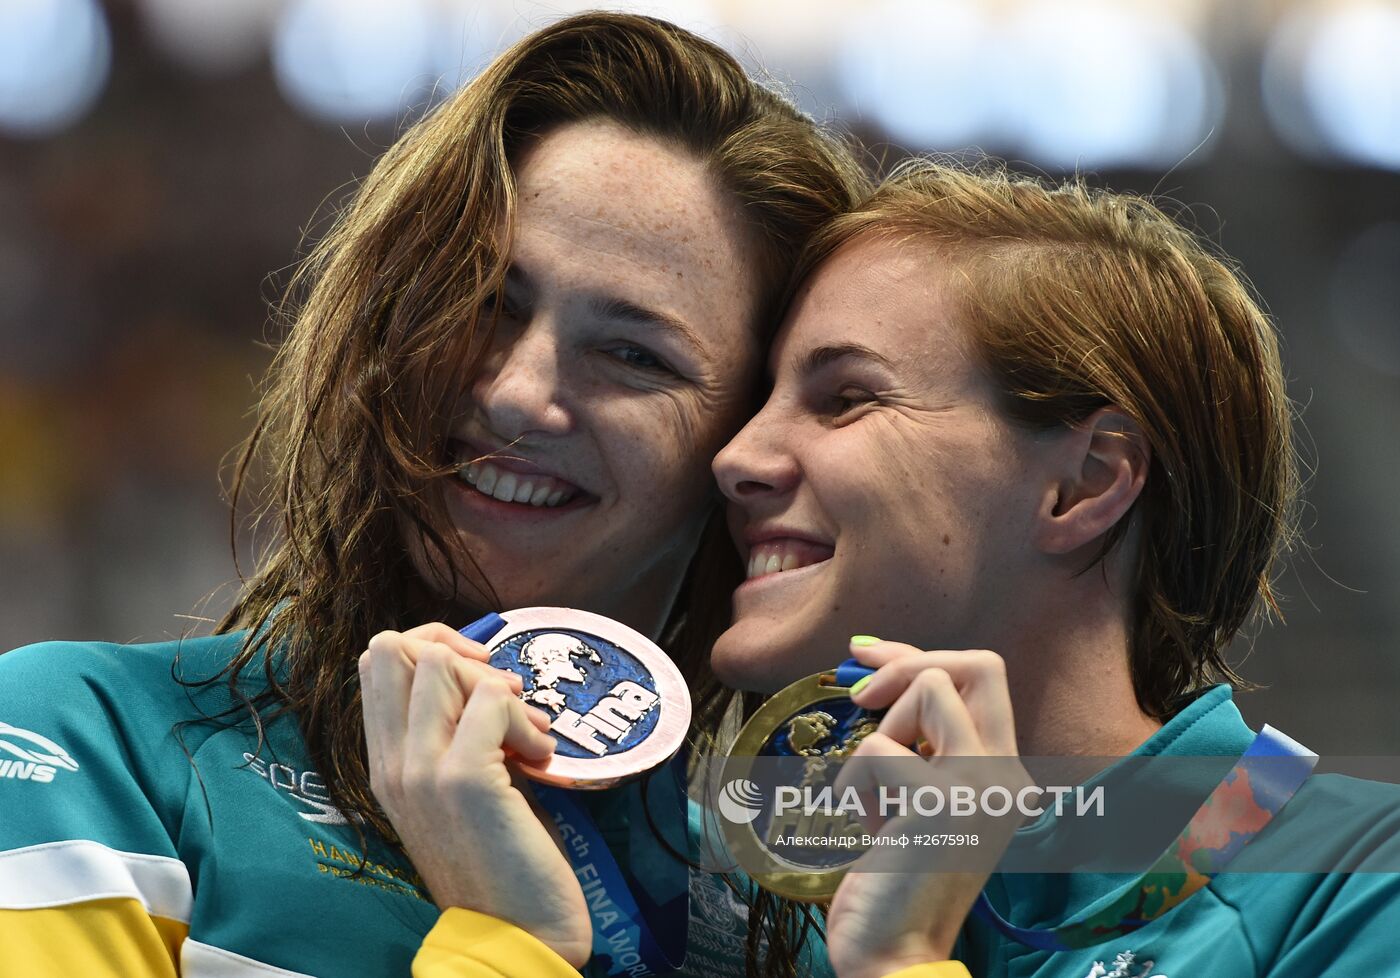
point(304, 787)
point(27, 756)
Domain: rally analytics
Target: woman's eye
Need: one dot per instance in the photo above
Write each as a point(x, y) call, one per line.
point(499, 306)
point(641, 358)
point(847, 399)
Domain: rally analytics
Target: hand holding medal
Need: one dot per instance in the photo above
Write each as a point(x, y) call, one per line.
point(439, 722)
point(618, 709)
point(566, 698)
point(951, 704)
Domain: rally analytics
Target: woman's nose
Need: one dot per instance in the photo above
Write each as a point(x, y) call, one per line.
point(519, 391)
point(757, 462)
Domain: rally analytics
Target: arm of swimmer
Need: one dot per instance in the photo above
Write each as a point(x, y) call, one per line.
point(467, 944)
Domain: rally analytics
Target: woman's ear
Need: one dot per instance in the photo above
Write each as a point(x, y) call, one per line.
point(1104, 461)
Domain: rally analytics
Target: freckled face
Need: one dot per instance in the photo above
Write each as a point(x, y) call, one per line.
point(624, 359)
point(879, 491)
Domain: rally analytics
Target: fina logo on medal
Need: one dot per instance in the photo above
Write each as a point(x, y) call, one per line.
point(564, 657)
point(618, 705)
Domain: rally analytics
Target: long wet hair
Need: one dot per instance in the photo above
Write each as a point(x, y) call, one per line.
point(348, 456)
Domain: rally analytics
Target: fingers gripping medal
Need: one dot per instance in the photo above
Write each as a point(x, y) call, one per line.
point(619, 707)
point(784, 839)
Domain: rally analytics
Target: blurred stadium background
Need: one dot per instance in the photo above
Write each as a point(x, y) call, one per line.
point(160, 159)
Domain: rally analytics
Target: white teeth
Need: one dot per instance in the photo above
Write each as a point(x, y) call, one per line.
point(784, 554)
point(486, 481)
point(505, 487)
point(511, 487)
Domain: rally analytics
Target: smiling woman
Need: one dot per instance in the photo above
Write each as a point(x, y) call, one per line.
point(1038, 437)
point(855, 412)
point(596, 392)
point(509, 364)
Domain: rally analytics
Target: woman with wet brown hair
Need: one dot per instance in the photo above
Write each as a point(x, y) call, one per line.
point(509, 365)
point(1037, 438)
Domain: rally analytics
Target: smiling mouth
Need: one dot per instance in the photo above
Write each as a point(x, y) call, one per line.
point(534, 489)
point(784, 554)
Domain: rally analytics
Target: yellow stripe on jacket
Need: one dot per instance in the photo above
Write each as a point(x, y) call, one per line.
point(467, 944)
point(934, 969)
point(111, 938)
point(117, 938)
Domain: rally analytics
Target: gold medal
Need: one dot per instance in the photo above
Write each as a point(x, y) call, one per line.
point(793, 740)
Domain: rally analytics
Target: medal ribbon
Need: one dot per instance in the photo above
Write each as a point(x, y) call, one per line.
point(640, 914)
point(1267, 775)
point(636, 931)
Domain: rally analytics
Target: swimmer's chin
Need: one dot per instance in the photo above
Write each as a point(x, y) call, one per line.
point(748, 667)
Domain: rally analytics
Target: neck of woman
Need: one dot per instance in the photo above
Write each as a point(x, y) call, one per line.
point(1073, 695)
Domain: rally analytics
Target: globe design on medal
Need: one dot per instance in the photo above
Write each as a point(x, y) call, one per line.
point(601, 699)
point(550, 658)
point(827, 730)
point(817, 736)
point(806, 747)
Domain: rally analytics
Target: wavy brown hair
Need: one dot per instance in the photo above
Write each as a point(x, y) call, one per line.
point(1076, 298)
point(348, 455)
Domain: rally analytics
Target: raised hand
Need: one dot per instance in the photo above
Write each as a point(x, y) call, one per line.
point(440, 725)
point(951, 704)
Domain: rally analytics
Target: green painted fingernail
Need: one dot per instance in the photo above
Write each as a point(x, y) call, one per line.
point(861, 683)
point(863, 640)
